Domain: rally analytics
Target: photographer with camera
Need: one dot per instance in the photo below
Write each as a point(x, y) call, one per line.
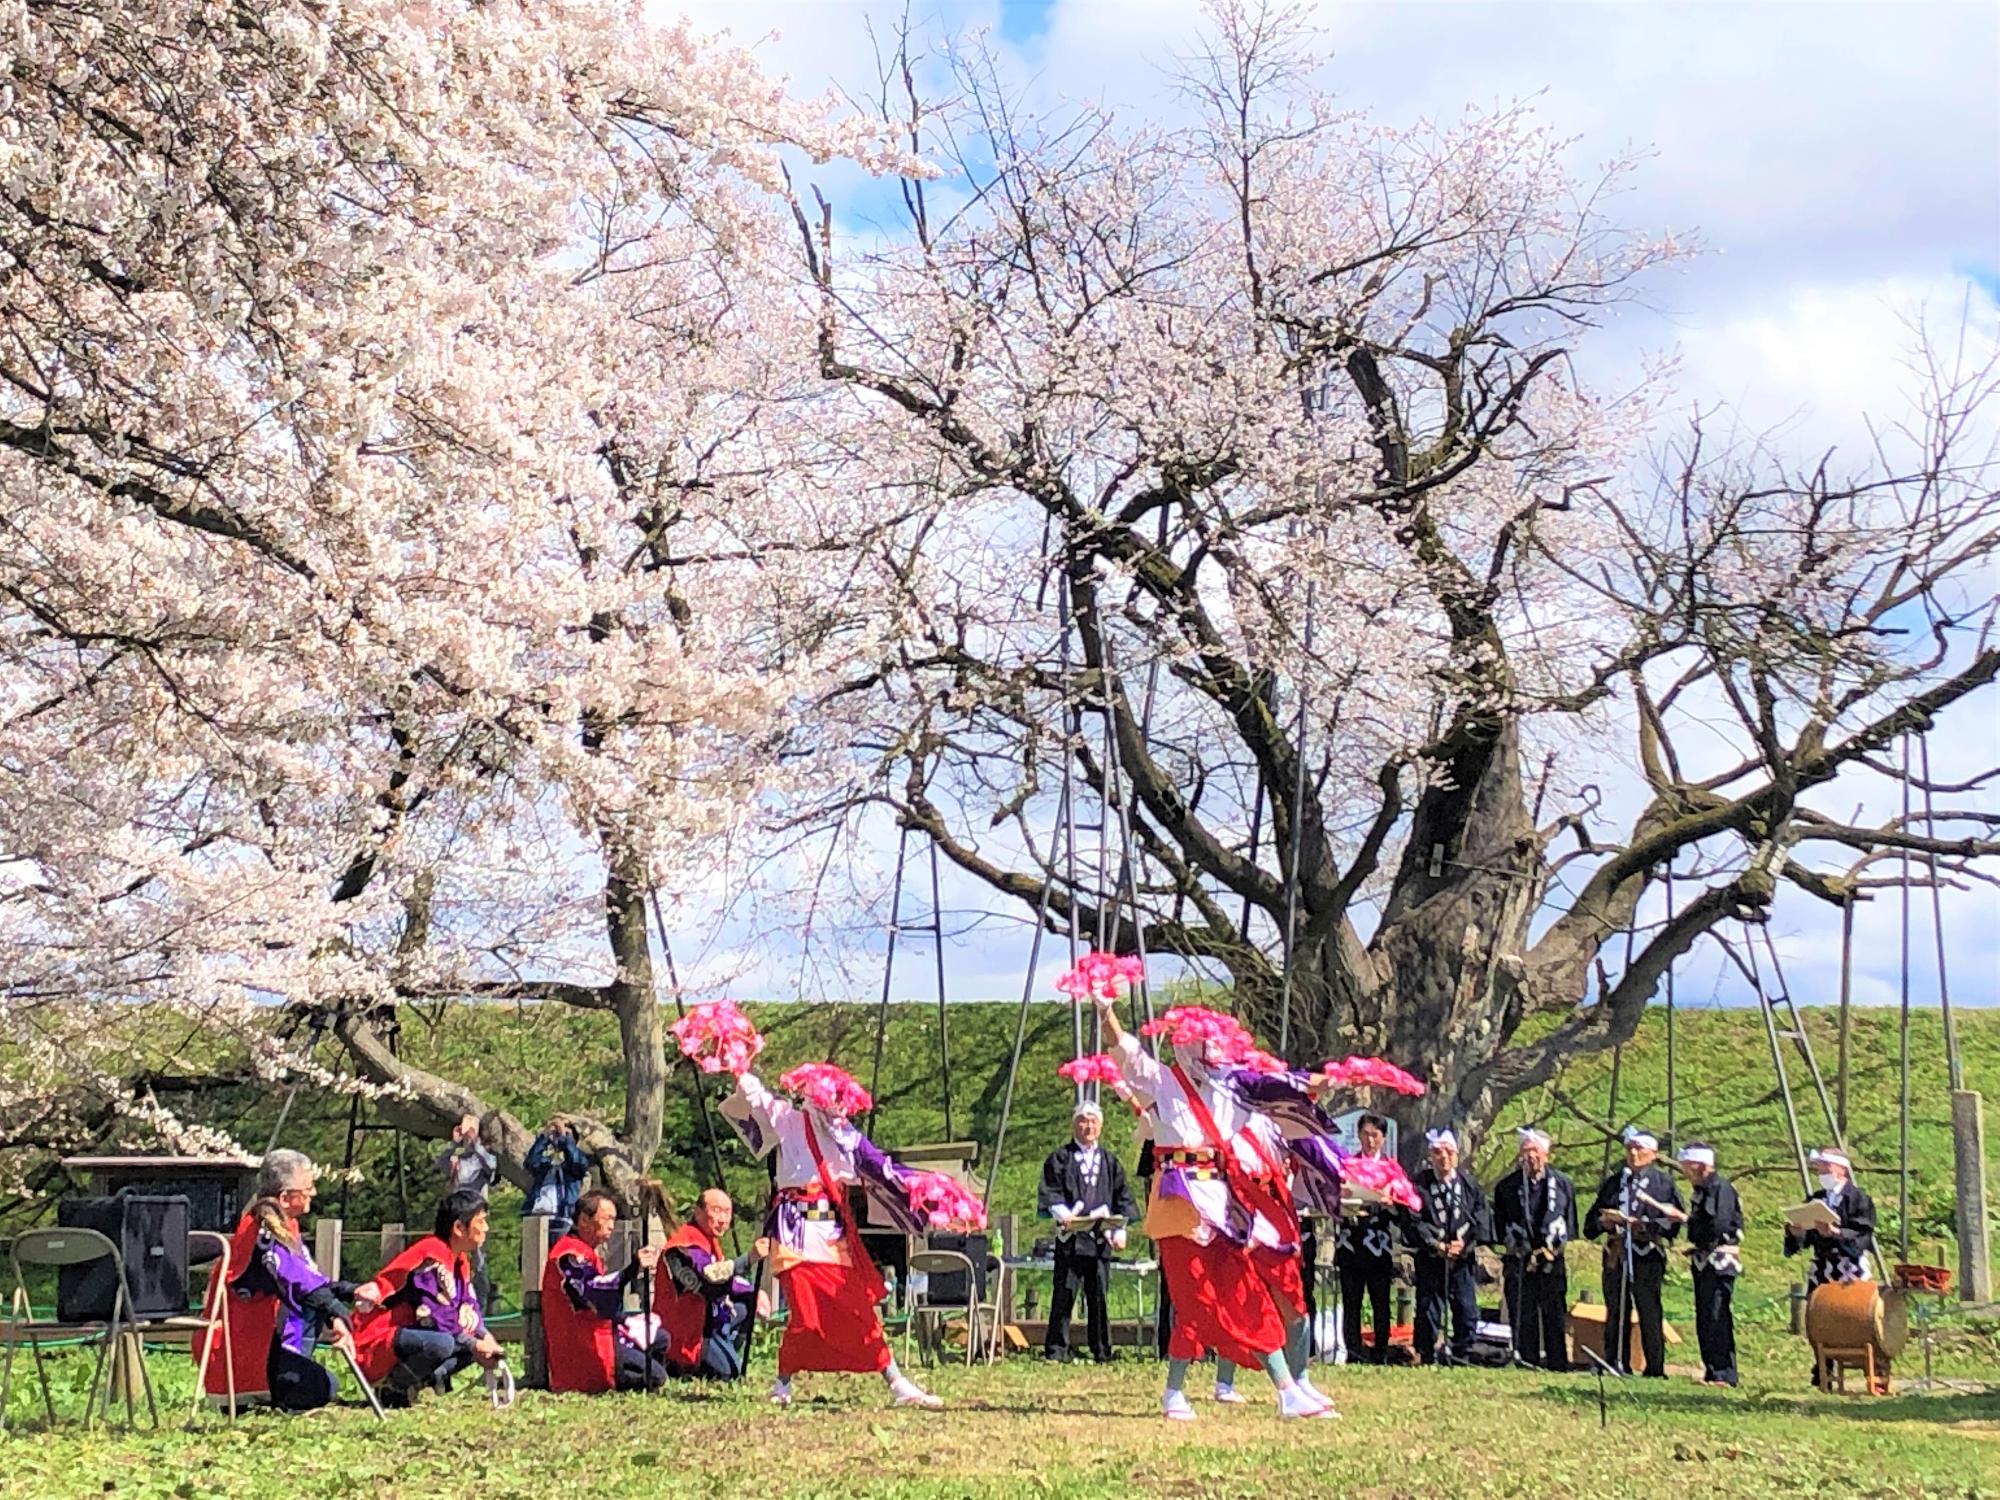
point(559, 1170)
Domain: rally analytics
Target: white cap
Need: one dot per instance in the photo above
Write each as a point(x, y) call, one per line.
point(1832, 1157)
point(1698, 1156)
point(1440, 1138)
point(1644, 1140)
point(1086, 1107)
point(1534, 1134)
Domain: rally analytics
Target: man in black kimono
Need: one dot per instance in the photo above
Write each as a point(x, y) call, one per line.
point(1714, 1224)
point(1840, 1253)
point(1445, 1232)
point(1634, 1213)
point(1534, 1218)
point(1364, 1255)
point(1079, 1178)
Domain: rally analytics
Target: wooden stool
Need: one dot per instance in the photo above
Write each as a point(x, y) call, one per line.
point(1834, 1363)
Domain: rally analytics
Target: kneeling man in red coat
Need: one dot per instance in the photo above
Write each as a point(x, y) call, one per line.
point(591, 1343)
point(702, 1296)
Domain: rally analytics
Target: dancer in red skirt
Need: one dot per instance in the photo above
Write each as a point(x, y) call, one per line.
point(830, 1284)
point(1222, 1217)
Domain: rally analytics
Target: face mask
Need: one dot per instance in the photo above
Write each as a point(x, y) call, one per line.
point(1828, 1181)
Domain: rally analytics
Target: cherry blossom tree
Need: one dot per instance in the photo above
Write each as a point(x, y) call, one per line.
point(1262, 482)
point(399, 417)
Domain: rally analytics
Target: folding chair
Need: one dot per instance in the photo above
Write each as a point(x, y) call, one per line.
point(930, 1301)
point(55, 1248)
point(212, 1327)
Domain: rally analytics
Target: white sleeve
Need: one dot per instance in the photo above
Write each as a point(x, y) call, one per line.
point(754, 1112)
point(1139, 1068)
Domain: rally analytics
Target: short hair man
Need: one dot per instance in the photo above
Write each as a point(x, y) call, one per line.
point(583, 1307)
point(1082, 1184)
point(703, 1296)
point(421, 1319)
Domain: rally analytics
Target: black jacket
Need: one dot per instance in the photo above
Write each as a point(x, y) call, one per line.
point(1838, 1254)
point(1435, 1224)
point(1062, 1182)
point(1651, 1229)
point(1715, 1215)
point(1524, 1221)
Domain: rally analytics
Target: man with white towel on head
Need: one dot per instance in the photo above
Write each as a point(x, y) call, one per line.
point(1635, 1212)
point(1534, 1219)
point(1083, 1188)
point(1446, 1231)
point(1714, 1222)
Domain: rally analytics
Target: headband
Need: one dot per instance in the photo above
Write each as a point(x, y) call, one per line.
point(1698, 1156)
point(1832, 1157)
point(1086, 1110)
point(1642, 1139)
point(1534, 1134)
point(1440, 1138)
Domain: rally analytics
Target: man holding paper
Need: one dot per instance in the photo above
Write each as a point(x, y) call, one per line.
point(1084, 1190)
point(1837, 1224)
point(1635, 1213)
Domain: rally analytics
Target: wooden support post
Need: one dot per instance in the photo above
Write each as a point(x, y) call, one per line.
point(326, 1247)
point(1968, 1133)
point(534, 1254)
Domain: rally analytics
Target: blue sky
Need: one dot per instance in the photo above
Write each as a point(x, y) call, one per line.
point(1841, 164)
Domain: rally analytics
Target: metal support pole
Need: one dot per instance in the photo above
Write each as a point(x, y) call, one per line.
point(888, 976)
point(1298, 838)
point(944, 1034)
point(1903, 1054)
point(1673, 1131)
point(694, 1083)
point(1020, 1034)
point(1846, 1000)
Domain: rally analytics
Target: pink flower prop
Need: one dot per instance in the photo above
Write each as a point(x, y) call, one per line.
point(827, 1088)
point(1197, 1025)
point(943, 1202)
point(1098, 1067)
point(1384, 1175)
point(719, 1037)
point(1372, 1072)
point(1258, 1061)
point(1102, 976)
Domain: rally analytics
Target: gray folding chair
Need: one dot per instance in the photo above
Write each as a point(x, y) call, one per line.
point(929, 1304)
point(54, 1249)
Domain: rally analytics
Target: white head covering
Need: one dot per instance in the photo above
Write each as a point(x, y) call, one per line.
point(1441, 1138)
point(1193, 1057)
point(1830, 1156)
point(1536, 1134)
point(1644, 1140)
point(1698, 1156)
point(1086, 1108)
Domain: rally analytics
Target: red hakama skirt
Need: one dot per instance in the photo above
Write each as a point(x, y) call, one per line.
point(834, 1324)
point(1224, 1300)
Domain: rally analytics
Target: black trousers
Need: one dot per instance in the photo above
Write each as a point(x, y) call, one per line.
point(1089, 1275)
point(297, 1381)
point(638, 1369)
point(1648, 1272)
point(428, 1356)
point(1715, 1324)
point(1538, 1312)
point(1370, 1274)
point(1445, 1286)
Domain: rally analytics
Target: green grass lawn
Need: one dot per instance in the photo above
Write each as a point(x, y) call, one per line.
point(1024, 1428)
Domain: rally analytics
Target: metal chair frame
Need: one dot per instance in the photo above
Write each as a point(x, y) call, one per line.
point(214, 1324)
point(926, 1315)
point(73, 1247)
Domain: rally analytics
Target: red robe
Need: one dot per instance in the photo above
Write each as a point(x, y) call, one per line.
point(375, 1332)
point(582, 1356)
point(683, 1315)
point(253, 1317)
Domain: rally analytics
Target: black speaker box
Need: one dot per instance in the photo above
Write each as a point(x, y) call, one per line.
point(151, 1232)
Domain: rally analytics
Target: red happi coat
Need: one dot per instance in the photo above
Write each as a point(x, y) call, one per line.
point(375, 1332)
point(253, 1317)
point(683, 1315)
point(582, 1355)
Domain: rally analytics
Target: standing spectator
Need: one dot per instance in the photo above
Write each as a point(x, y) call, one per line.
point(1364, 1254)
point(1534, 1218)
point(1444, 1233)
point(469, 1167)
point(558, 1170)
point(1081, 1183)
point(1634, 1213)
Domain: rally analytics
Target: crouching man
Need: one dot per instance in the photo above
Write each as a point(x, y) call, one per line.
point(702, 1297)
